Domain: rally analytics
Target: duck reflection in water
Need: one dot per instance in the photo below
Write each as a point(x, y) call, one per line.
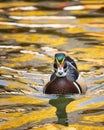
point(61, 103)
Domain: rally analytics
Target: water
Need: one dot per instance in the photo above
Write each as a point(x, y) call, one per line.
point(31, 32)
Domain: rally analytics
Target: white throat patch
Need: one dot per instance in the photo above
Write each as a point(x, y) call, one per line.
point(58, 75)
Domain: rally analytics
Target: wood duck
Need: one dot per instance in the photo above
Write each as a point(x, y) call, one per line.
point(65, 78)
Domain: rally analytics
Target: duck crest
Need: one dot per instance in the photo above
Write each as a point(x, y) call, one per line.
point(60, 57)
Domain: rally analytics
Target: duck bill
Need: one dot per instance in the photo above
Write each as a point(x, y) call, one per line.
point(60, 70)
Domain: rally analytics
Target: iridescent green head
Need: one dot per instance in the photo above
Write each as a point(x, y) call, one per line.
point(60, 57)
point(60, 65)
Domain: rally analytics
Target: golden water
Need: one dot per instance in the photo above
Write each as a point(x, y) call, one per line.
point(31, 32)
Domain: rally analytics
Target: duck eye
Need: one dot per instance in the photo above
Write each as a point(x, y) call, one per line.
point(55, 65)
point(65, 65)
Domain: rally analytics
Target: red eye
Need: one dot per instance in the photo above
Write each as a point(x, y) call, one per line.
point(55, 65)
point(65, 65)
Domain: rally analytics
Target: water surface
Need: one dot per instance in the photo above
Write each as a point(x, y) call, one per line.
point(31, 32)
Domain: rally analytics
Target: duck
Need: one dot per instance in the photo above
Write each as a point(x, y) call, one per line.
point(66, 78)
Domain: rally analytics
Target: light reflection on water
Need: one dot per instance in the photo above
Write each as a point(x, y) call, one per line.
point(92, 101)
point(30, 34)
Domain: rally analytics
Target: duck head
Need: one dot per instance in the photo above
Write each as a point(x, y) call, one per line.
point(60, 65)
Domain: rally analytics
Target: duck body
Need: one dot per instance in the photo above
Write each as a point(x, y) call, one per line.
point(61, 85)
point(65, 78)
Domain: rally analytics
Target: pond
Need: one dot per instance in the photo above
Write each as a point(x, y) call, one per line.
point(31, 32)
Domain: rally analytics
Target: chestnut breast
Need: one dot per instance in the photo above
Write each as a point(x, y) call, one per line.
point(60, 86)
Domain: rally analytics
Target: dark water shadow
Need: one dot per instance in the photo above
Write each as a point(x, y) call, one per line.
point(61, 103)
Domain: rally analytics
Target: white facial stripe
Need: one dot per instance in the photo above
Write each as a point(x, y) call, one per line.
point(71, 65)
